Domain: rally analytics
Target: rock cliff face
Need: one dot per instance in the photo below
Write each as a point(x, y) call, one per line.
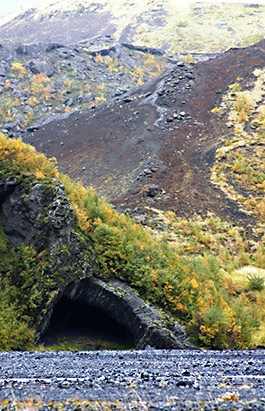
point(39, 214)
point(143, 323)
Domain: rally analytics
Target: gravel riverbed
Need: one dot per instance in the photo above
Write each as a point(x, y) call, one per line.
point(133, 380)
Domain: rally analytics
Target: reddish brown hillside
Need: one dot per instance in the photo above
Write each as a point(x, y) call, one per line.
point(164, 135)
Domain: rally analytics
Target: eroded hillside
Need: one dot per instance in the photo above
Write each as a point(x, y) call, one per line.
point(156, 147)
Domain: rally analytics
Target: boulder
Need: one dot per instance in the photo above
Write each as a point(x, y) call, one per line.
point(106, 51)
point(153, 190)
point(21, 94)
point(64, 54)
point(2, 70)
point(53, 46)
point(88, 97)
point(10, 125)
point(28, 49)
point(119, 91)
point(17, 115)
point(38, 67)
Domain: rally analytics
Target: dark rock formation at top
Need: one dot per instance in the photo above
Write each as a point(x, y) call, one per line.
point(39, 214)
point(144, 49)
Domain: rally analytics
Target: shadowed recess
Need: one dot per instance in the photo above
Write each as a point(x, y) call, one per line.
point(80, 326)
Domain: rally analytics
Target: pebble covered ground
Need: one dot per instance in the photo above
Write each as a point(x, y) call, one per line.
point(133, 380)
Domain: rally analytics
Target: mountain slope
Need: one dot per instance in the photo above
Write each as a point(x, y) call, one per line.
point(177, 26)
point(163, 134)
point(184, 155)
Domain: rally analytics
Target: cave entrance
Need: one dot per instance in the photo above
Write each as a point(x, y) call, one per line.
point(79, 326)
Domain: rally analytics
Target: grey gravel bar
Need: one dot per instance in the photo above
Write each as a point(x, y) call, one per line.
point(162, 379)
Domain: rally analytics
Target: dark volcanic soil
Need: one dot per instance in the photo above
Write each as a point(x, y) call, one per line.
point(163, 134)
point(156, 380)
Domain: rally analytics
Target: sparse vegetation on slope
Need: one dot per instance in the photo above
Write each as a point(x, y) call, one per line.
point(194, 28)
point(191, 287)
point(240, 160)
point(65, 79)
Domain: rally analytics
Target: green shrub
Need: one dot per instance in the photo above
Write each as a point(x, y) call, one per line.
point(15, 333)
point(255, 282)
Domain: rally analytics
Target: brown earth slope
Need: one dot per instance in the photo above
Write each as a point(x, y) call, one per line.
point(156, 146)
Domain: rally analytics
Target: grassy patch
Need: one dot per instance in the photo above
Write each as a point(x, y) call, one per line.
point(239, 171)
point(239, 168)
point(188, 28)
point(82, 344)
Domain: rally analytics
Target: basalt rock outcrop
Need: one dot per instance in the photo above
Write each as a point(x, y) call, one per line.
point(146, 326)
point(39, 214)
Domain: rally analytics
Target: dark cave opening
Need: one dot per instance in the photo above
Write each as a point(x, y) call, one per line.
point(82, 326)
